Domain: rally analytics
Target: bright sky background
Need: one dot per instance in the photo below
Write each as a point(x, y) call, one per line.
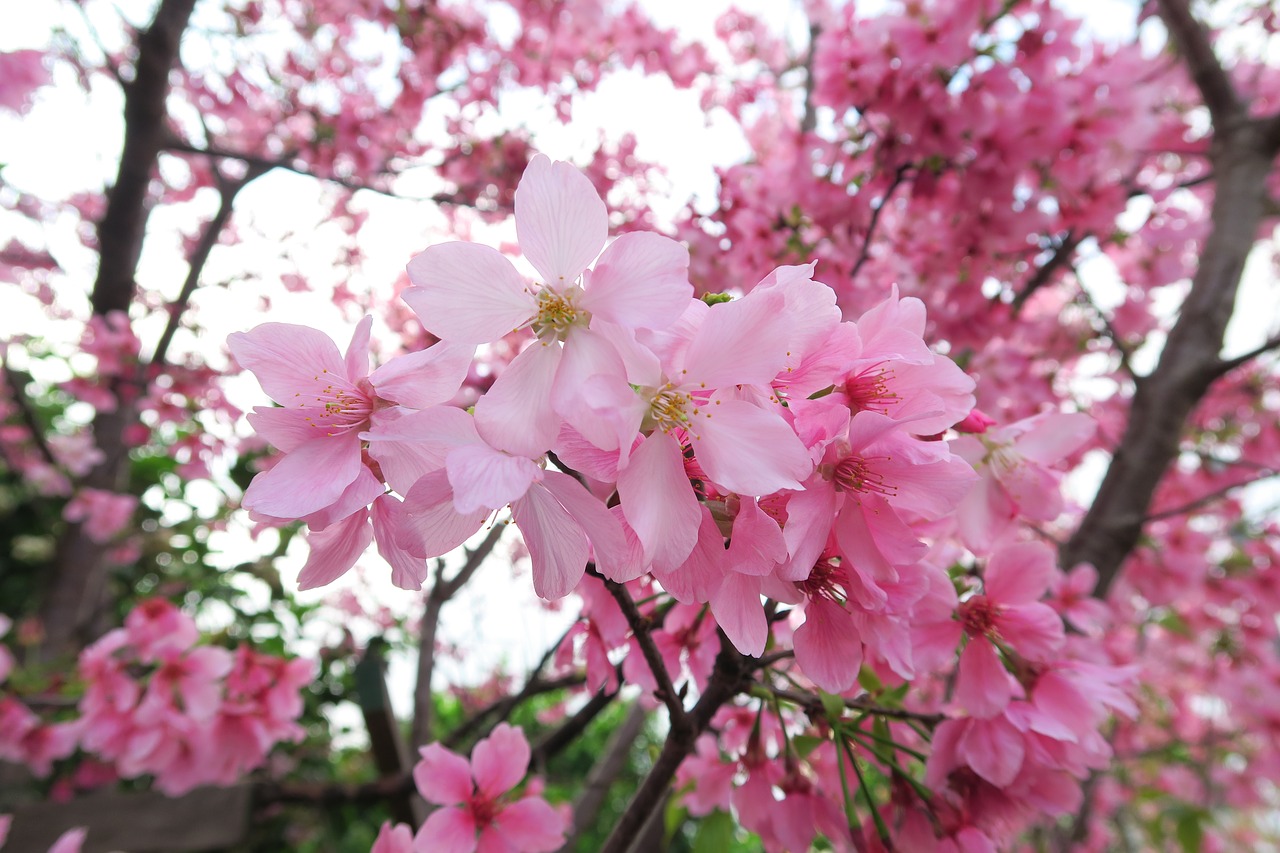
point(70, 142)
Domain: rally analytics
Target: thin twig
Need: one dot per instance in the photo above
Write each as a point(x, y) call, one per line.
point(899, 176)
point(1205, 500)
point(640, 627)
point(1207, 72)
point(1062, 250)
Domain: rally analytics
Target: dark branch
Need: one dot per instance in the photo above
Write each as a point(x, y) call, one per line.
point(19, 398)
point(1211, 497)
point(899, 176)
point(1210, 77)
point(1229, 364)
point(641, 627)
point(1062, 252)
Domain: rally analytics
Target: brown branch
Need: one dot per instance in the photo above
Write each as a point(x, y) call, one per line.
point(810, 120)
point(1062, 250)
point(76, 584)
point(899, 176)
point(1210, 77)
point(442, 590)
point(1205, 500)
point(641, 628)
point(1229, 364)
point(290, 164)
point(728, 679)
point(195, 266)
point(500, 710)
point(570, 730)
point(19, 397)
point(1189, 362)
point(1269, 126)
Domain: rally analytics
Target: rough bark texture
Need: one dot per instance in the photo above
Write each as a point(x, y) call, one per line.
point(73, 602)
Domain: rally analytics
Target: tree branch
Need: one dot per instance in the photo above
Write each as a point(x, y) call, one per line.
point(1205, 500)
point(19, 398)
point(1062, 251)
point(1229, 364)
point(641, 627)
point(728, 678)
point(441, 591)
point(195, 266)
point(899, 176)
point(1210, 77)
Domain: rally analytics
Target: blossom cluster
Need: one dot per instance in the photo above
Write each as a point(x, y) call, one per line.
point(158, 703)
point(772, 468)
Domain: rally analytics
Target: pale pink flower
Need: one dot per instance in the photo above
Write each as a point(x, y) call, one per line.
point(476, 814)
point(326, 401)
point(468, 293)
point(393, 838)
point(103, 513)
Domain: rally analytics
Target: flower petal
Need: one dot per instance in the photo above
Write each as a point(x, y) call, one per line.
point(558, 547)
point(641, 280)
point(431, 523)
point(515, 414)
point(357, 356)
point(748, 450)
point(561, 222)
point(449, 830)
point(659, 503)
point(407, 571)
point(423, 379)
point(1019, 573)
point(531, 825)
point(743, 342)
point(983, 687)
point(442, 776)
point(307, 479)
point(739, 612)
point(466, 293)
point(500, 761)
point(290, 361)
point(615, 556)
point(484, 478)
point(828, 647)
point(335, 549)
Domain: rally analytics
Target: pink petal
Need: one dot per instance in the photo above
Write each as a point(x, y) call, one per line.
point(738, 611)
point(592, 393)
point(531, 825)
point(658, 501)
point(423, 379)
point(616, 557)
point(641, 280)
point(356, 359)
point(289, 361)
point(756, 545)
point(397, 838)
point(500, 761)
point(1019, 573)
point(307, 479)
point(809, 515)
point(364, 489)
point(442, 776)
point(1035, 630)
point(282, 428)
point(828, 647)
point(335, 549)
point(700, 575)
point(466, 293)
point(431, 525)
point(994, 749)
point(983, 687)
point(561, 222)
point(515, 414)
point(558, 547)
point(743, 342)
point(417, 443)
point(450, 830)
point(748, 450)
point(1052, 437)
point(407, 571)
point(70, 841)
point(484, 478)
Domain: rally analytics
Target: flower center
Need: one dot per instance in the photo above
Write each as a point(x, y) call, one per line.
point(557, 313)
point(854, 474)
point(870, 392)
point(341, 407)
point(826, 580)
point(978, 616)
point(483, 811)
point(670, 409)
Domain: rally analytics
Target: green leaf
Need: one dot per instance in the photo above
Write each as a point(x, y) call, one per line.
point(715, 834)
point(806, 744)
point(832, 704)
point(1190, 830)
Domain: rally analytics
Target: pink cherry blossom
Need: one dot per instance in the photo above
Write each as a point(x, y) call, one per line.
point(476, 812)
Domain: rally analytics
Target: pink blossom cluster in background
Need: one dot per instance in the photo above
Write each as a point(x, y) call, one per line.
point(158, 703)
